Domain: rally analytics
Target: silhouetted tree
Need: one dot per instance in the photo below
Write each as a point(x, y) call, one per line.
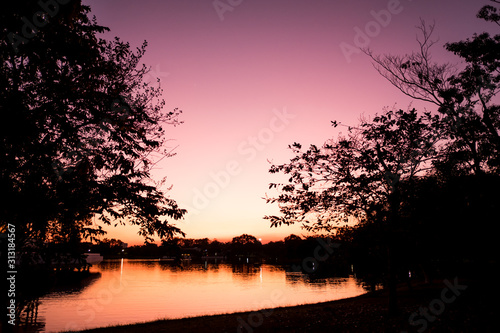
point(245, 245)
point(444, 225)
point(245, 239)
point(275, 252)
point(109, 247)
point(364, 247)
point(464, 96)
point(149, 250)
point(439, 208)
point(80, 129)
point(358, 176)
point(171, 248)
point(292, 238)
point(216, 248)
point(293, 244)
point(186, 242)
point(202, 243)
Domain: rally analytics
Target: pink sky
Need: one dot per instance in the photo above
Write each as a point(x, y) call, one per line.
point(256, 76)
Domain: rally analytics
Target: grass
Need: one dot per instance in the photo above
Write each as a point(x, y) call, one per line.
point(474, 310)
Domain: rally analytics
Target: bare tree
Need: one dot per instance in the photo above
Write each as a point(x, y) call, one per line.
point(416, 75)
point(464, 96)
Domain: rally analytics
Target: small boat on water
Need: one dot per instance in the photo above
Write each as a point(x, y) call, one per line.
point(93, 258)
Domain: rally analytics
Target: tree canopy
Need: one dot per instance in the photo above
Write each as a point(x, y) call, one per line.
point(371, 172)
point(356, 174)
point(410, 179)
point(80, 130)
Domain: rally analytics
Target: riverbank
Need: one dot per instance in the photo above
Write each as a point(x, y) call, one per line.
point(443, 306)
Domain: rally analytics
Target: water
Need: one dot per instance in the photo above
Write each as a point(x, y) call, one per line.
point(131, 291)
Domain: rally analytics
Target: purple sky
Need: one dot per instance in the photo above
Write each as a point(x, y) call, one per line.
point(254, 76)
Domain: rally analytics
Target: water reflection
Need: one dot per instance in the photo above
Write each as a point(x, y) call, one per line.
point(129, 291)
point(245, 270)
point(75, 287)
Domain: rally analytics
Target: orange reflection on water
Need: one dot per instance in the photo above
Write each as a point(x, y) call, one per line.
point(130, 291)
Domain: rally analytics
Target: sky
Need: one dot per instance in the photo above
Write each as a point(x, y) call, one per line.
point(252, 77)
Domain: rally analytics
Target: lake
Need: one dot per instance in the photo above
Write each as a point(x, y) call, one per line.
point(129, 291)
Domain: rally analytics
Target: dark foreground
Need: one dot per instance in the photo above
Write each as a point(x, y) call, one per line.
point(444, 306)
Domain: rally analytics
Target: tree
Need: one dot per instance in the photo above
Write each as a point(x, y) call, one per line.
point(81, 130)
point(466, 173)
point(245, 239)
point(358, 176)
point(465, 96)
point(109, 247)
point(292, 238)
point(245, 245)
point(216, 248)
point(351, 176)
point(446, 224)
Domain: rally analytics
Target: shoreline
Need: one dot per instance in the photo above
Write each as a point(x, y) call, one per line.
point(470, 311)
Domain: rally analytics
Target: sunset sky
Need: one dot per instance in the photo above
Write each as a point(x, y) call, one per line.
point(253, 76)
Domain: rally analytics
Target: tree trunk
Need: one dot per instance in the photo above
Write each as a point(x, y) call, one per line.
point(391, 281)
point(394, 202)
